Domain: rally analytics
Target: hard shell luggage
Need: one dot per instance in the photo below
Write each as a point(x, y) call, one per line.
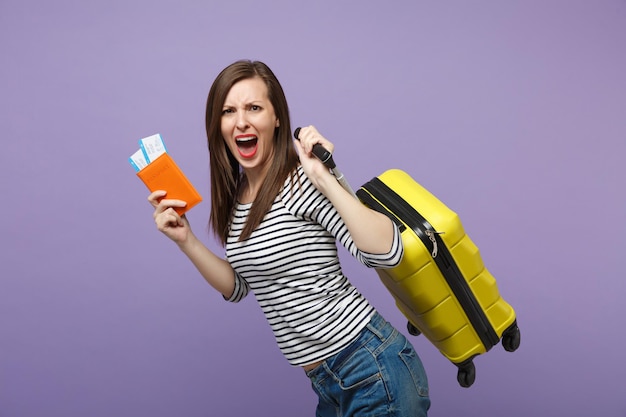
point(441, 284)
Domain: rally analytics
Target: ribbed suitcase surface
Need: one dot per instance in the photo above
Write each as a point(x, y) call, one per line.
point(441, 284)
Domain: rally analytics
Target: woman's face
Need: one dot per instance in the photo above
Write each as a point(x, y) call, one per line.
point(248, 123)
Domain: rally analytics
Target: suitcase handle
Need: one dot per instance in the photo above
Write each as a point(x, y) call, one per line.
point(320, 152)
point(327, 159)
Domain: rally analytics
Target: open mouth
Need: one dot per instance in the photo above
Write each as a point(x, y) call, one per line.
point(247, 145)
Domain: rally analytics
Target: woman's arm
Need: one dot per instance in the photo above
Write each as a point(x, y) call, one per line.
point(215, 270)
point(371, 231)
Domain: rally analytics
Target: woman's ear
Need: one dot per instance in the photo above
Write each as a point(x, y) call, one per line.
point(277, 123)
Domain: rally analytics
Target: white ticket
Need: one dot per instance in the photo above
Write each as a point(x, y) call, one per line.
point(152, 147)
point(138, 161)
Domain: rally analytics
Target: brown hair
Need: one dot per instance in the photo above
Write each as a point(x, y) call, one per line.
point(226, 173)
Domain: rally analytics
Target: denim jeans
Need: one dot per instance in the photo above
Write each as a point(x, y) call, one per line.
point(379, 374)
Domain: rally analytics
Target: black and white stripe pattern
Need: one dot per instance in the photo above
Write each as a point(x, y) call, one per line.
point(290, 262)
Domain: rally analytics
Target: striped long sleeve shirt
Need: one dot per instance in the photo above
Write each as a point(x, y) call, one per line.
point(291, 264)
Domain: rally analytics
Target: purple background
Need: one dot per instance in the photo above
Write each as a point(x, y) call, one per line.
point(513, 113)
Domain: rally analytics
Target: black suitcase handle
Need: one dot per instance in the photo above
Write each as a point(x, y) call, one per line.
point(320, 152)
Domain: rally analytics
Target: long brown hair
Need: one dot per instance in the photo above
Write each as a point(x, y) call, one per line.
point(226, 173)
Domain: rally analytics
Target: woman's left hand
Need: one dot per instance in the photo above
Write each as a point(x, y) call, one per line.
point(313, 167)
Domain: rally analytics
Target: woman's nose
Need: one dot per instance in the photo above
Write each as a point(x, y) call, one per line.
point(242, 121)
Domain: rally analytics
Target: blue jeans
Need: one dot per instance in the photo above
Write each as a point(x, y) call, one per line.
point(379, 374)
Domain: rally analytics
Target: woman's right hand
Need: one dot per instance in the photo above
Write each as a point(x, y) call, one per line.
point(215, 270)
point(168, 221)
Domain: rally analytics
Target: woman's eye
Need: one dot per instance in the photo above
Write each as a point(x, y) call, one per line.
point(226, 111)
point(255, 108)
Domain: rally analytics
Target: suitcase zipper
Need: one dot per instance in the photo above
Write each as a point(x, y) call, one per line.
point(390, 203)
point(431, 236)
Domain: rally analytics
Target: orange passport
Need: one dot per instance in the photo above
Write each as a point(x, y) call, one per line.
point(164, 174)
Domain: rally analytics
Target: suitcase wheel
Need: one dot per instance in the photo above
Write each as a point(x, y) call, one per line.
point(466, 374)
point(511, 338)
point(412, 329)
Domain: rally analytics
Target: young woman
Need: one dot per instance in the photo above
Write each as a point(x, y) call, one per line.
point(279, 212)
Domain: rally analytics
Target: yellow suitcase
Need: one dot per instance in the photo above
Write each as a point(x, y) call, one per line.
point(441, 284)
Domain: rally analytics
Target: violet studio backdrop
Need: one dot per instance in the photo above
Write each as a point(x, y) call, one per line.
point(512, 113)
